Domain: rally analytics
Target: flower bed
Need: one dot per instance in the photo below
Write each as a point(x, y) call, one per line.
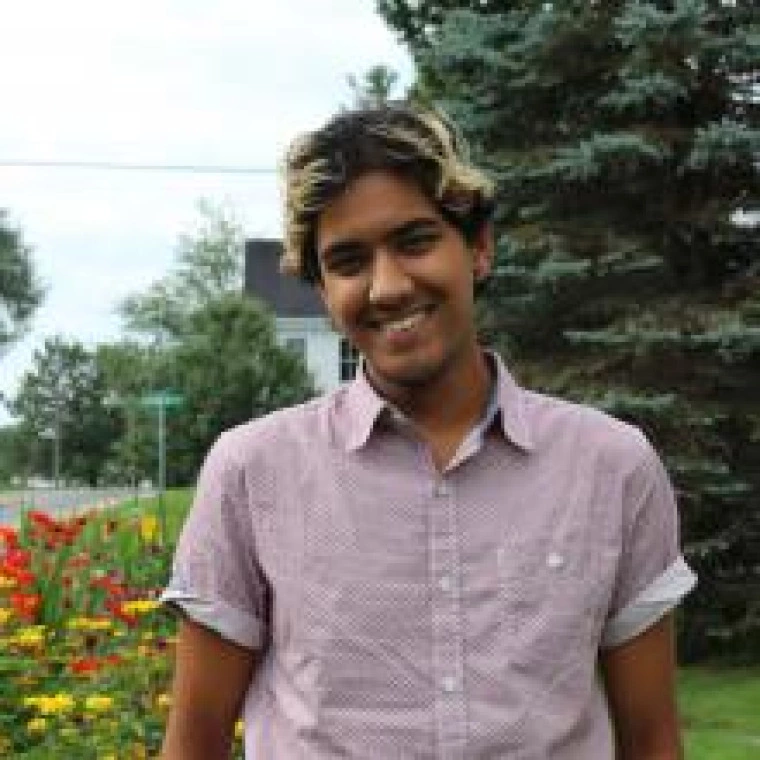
point(85, 650)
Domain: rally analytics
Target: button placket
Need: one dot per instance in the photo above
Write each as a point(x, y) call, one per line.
point(448, 648)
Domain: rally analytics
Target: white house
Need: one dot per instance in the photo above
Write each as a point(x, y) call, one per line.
point(301, 321)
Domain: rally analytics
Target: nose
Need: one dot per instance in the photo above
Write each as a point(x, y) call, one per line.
point(390, 282)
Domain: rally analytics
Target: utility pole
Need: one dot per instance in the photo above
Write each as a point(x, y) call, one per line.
point(57, 451)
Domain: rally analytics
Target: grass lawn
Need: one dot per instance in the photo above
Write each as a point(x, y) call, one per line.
point(720, 709)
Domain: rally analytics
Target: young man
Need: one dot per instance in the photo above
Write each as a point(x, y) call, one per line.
point(430, 562)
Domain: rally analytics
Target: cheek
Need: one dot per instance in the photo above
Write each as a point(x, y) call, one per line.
point(343, 304)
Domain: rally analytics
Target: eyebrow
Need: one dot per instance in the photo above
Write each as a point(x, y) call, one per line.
point(351, 246)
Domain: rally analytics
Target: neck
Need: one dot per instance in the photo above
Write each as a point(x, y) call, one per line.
point(450, 404)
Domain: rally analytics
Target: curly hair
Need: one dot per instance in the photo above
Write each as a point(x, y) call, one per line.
point(420, 145)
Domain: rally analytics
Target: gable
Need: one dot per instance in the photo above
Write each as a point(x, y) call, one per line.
point(285, 295)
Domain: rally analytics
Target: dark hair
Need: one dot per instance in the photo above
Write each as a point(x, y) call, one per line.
point(420, 145)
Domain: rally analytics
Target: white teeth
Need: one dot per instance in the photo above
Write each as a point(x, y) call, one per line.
point(404, 324)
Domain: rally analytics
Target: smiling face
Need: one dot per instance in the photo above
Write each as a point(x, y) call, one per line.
point(397, 280)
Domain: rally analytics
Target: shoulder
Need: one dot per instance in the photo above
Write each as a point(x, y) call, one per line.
point(275, 436)
point(580, 431)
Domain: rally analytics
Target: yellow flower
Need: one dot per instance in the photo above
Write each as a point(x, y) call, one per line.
point(6, 582)
point(239, 728)
point(163, 701)
point(89, 624)
point(139, 606)
point(29, 636)
point(98, 703)
point(50, 704)
point(148, 528)
point(5, 615)
point(36, 724)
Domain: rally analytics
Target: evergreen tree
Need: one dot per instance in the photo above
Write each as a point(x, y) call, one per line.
point(625, 139)
point(375, 88)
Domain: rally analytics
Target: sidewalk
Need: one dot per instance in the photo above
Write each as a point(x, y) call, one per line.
point(63, 501)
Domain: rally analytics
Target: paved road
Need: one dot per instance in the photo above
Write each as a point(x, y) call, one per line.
point(62, 500)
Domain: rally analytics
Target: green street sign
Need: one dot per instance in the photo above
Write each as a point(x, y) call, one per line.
point(162, 398)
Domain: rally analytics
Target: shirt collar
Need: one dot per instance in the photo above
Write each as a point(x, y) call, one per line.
point(364, 407)
point(509, 404)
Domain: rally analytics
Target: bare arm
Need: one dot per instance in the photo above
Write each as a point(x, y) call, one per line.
point(640, 679)
point(211, 678)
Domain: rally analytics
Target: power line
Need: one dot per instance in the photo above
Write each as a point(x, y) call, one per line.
point(117, 166)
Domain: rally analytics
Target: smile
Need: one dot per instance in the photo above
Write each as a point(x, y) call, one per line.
point(402, 324)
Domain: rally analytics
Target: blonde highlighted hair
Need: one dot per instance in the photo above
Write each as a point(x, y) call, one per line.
point(419, 145)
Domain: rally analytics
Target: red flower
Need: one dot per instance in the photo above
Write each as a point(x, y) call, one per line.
point(18, 558)
point(117, 611)
point(9, 536)
point(111, 587)
point(22, 576)
point(25, 605)
point(42, 519)
point(85, 665)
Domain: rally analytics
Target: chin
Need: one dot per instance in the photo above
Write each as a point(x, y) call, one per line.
point(411, 375)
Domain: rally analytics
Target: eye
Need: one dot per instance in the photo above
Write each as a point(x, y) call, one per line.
point(417, 241)
point(346, 263)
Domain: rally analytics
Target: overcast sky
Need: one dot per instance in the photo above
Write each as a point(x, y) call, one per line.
point(179, 82)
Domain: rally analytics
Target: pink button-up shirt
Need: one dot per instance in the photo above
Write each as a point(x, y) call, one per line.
point(410, 613)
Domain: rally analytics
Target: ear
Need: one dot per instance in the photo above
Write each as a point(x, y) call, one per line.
point(483, 251)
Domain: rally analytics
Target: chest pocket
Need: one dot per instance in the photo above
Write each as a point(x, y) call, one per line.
point(555, 592)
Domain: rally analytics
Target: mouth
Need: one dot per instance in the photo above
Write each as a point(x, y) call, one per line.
point(401, 324)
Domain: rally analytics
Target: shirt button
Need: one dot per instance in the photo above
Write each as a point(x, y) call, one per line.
point(441, 489)
point(449, 684)
point(445, 583)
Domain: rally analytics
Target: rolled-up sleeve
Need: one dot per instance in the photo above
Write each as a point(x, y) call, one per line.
point(652, 575)
point(216, 579)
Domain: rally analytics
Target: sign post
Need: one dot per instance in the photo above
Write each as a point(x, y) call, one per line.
point(162, 400)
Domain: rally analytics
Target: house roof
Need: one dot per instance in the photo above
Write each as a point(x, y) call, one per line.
point(286, 295)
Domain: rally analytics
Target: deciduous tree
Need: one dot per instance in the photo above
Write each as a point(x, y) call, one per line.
point(20, 290)
point(61, 399)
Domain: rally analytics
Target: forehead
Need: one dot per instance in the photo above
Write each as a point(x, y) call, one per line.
point(372, 206)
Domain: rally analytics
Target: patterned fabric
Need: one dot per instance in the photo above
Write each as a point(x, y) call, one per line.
point(408, 613)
